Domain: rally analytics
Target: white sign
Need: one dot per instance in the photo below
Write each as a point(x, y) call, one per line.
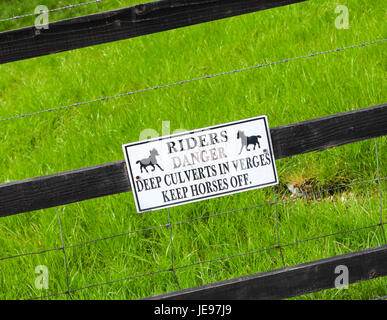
point(201, 164)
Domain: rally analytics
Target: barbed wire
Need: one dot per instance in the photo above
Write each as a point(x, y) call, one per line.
point(71, 6)
point(78, 104)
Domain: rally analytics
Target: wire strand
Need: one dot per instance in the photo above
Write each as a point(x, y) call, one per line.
point(380, 191)
point(78, 104)
point(64, 254)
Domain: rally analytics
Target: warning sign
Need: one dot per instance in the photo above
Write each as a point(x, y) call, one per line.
point(201, 164)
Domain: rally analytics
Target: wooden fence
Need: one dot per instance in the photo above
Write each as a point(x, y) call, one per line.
point(111, 178)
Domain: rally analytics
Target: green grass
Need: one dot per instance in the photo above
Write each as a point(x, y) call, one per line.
point(93, 134)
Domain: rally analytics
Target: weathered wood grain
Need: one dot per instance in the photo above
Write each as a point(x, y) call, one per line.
point(111, 178)
point(121, 24)
point(290, 281)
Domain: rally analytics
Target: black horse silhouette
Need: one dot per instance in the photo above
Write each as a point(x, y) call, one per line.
point(150, 161)
point(246, 141)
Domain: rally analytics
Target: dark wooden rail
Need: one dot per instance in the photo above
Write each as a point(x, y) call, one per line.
point(111, 178)
point(121, 24)
point(290, 281)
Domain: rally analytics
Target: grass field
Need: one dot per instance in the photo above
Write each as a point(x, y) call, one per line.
point(93, 134)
